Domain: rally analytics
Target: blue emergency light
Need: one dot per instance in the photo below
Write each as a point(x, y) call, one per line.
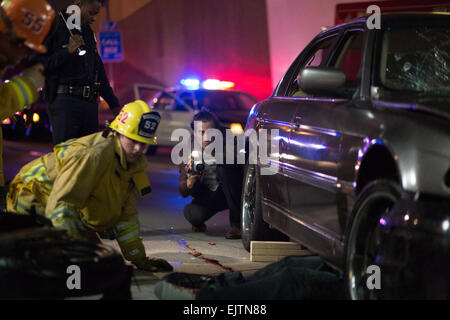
point(191, 84)
point(209, 84)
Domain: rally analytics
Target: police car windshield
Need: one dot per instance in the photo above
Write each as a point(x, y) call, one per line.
point(216, 100)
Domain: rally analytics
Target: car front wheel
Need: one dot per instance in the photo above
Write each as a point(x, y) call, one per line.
point(253, 226)
point(364, 235)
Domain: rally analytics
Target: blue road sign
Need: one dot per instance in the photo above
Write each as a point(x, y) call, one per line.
point(111, 49)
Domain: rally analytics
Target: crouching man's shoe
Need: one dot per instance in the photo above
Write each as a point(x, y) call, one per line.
point(234, 233)
point(199, 228)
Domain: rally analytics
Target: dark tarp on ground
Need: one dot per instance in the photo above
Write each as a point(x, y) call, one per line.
point(292, 278)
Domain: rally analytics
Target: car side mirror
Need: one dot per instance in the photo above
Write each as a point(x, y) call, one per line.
point(318, 80)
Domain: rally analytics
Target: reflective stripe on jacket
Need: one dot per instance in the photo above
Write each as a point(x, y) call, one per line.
point(84, 184)
point(14, 95)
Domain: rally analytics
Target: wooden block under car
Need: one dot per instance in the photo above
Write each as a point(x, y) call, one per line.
point(272, 251)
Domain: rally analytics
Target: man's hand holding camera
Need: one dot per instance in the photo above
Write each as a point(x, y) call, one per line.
point(192, 173)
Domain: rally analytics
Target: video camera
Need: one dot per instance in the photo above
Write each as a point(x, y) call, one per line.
point(197, 166)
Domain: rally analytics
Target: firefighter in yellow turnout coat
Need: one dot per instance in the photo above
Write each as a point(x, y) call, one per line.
point(89, 184)
point(24, 24)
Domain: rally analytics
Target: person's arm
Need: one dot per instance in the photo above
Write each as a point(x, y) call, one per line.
point(188, 185)
point(127, 230)
point(105, 88)
point(60, 48)
point(55, 60)
point(20, 92)
point(57, 50)
point(78, 176)
point(130, 242)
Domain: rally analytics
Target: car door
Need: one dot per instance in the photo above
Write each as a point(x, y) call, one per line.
point(275, 118)
point(279, 113)
point(315, 146)
point(175, 113)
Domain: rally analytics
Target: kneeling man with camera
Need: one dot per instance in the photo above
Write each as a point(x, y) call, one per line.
point(214, 187)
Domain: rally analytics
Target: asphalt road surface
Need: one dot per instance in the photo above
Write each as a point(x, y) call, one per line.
point(165, 232)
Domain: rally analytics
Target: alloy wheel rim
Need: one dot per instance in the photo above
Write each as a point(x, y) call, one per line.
point(364, 243)
point(249, 201)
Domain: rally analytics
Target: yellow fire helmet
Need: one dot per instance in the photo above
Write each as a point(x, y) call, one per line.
point(138, 122)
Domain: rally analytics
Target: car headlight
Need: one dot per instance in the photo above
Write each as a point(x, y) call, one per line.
point(36, 117)
point(236, 128)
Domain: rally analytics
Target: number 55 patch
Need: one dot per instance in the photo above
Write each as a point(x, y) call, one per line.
point(149, 123)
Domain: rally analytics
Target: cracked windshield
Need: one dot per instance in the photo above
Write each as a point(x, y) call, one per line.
point(417, 59)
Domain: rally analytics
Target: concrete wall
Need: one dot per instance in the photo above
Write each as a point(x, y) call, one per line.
point(177, 35)
point(118, 9)
point(171, 39)
point(292, 24)
point(121, 9)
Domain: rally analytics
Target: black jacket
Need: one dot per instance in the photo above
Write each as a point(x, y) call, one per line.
point(199, 188)
point(74, 70)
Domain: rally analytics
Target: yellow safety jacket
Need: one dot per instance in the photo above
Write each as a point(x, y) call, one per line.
point(85, 186)
point(14, 95)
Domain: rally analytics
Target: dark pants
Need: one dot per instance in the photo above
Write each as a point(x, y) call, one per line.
point(72, 117)
point(227, 196)
point(294, 277)
point(3, 192)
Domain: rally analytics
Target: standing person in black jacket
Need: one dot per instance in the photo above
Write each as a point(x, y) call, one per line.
point(75, 82)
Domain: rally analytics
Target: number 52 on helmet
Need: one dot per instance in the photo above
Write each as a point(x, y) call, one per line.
point(138, 122)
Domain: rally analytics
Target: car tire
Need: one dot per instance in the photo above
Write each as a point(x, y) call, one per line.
point(254, 228)
point(151, 151)
point(363, 235)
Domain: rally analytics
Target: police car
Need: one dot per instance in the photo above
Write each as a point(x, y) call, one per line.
point(178, 105)
point(32, 121)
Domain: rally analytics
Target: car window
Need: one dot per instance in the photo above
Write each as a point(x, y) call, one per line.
point(164, 102)
point(186, 97)
point(147, 94)
point(247, 100)
point(349, 59)
point(416, 58)
point(220, 100)
point(167, 102)
point(315, 59)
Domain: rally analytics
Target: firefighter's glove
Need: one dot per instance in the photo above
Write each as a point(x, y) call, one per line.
point(153, 265)
point(35, 75)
